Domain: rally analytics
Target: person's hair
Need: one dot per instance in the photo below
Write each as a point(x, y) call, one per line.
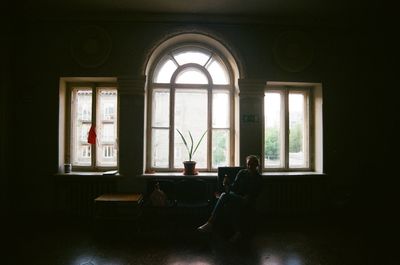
point(254, 158)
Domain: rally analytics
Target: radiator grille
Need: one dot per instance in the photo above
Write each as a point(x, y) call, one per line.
point(292, 196)
point(76, 198)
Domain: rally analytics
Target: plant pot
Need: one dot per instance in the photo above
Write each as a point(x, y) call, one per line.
point(190, 168)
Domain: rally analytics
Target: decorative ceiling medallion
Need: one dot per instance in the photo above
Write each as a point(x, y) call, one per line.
point(90, 46)
point(293, 51)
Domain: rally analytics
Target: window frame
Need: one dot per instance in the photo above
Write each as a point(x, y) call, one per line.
point(172, 86)
point(285, 89)
point(95, 87)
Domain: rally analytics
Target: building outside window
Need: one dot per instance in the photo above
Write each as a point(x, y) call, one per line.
point(92, 106)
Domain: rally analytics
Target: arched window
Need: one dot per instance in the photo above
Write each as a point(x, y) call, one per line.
point(190, 89)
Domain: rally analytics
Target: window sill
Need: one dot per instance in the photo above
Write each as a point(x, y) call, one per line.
point(305, 174)
point(89, 174)
point(214, 175)
point(202, 175)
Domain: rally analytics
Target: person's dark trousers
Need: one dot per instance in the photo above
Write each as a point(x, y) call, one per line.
point(228, 212)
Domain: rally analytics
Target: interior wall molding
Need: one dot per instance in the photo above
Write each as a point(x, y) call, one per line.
point(131, 86)
point(251, 87)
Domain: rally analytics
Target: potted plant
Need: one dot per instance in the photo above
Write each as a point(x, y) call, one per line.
point(189, 164)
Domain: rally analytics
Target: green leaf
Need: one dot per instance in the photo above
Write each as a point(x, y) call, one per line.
point(191, 153)
point(197, 146)
point(184, 141)
point(190, 150)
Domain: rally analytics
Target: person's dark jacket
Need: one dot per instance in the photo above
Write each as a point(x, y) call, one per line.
point(247, 184)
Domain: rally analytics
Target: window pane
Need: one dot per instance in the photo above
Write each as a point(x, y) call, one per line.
point(220, 148)
point(191, 76)
point(84, 153)
point(160, 104)
point(164, 71)
point(221, 109)
point(81, 120)
point(192, 57)
point(190, 115)
point(107, 127)
point(218, 73)
point(297, 124)
point(160, 147)
point(273, 145)
point(107, 103)
point(107, 133)
point(84, 130)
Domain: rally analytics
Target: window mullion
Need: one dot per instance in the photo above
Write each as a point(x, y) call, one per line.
point(174, 60)
point(232, 126)
point(209, 60)
point(94, 116)
point(306, 137)
point(311, 129)
point(171, 127)
point(68, 124)
point(209, 128)
point(286, 128)
point(149, 131)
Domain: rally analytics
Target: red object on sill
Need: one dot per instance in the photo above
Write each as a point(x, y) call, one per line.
point(92, 135)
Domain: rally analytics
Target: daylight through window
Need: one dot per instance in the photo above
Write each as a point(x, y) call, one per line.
point(190, 90)
point(287, 138)
point(93, 126)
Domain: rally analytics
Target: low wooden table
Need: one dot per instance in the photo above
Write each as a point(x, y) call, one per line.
point(118, 206)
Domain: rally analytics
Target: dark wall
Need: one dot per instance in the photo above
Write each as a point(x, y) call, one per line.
point(42, 55)
point(5, 87)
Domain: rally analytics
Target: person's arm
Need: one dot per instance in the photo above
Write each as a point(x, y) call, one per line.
point(236, 185)
point(226, 184)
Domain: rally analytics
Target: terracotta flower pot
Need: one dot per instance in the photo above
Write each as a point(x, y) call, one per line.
point(190, 168)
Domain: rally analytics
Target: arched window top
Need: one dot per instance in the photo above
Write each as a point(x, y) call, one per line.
point(191, 75)
point(207, 59)
point(191, 55)
point(164, 70)
point(218, 72)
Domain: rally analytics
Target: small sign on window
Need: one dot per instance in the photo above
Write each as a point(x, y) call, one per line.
point(250, 118)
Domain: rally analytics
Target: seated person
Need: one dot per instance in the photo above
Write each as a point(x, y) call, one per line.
point(238, 196)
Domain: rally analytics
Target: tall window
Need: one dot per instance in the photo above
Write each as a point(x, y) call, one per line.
point(191, 89)
point(92, 125)
point(288, 138)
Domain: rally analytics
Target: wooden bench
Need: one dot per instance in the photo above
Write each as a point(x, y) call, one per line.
point(118, 206)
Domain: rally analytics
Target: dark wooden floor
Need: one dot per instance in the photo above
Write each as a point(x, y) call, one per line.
point(290, 241)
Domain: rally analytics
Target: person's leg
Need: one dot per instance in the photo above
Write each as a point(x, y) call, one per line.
point(217, 211)
point(237, 216)
point(221, 203)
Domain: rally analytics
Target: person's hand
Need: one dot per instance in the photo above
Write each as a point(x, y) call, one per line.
point(225, 182)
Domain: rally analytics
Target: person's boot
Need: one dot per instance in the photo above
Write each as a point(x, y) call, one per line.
point(207, 227)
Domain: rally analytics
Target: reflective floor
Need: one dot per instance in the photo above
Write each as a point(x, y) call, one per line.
point(274, 243)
